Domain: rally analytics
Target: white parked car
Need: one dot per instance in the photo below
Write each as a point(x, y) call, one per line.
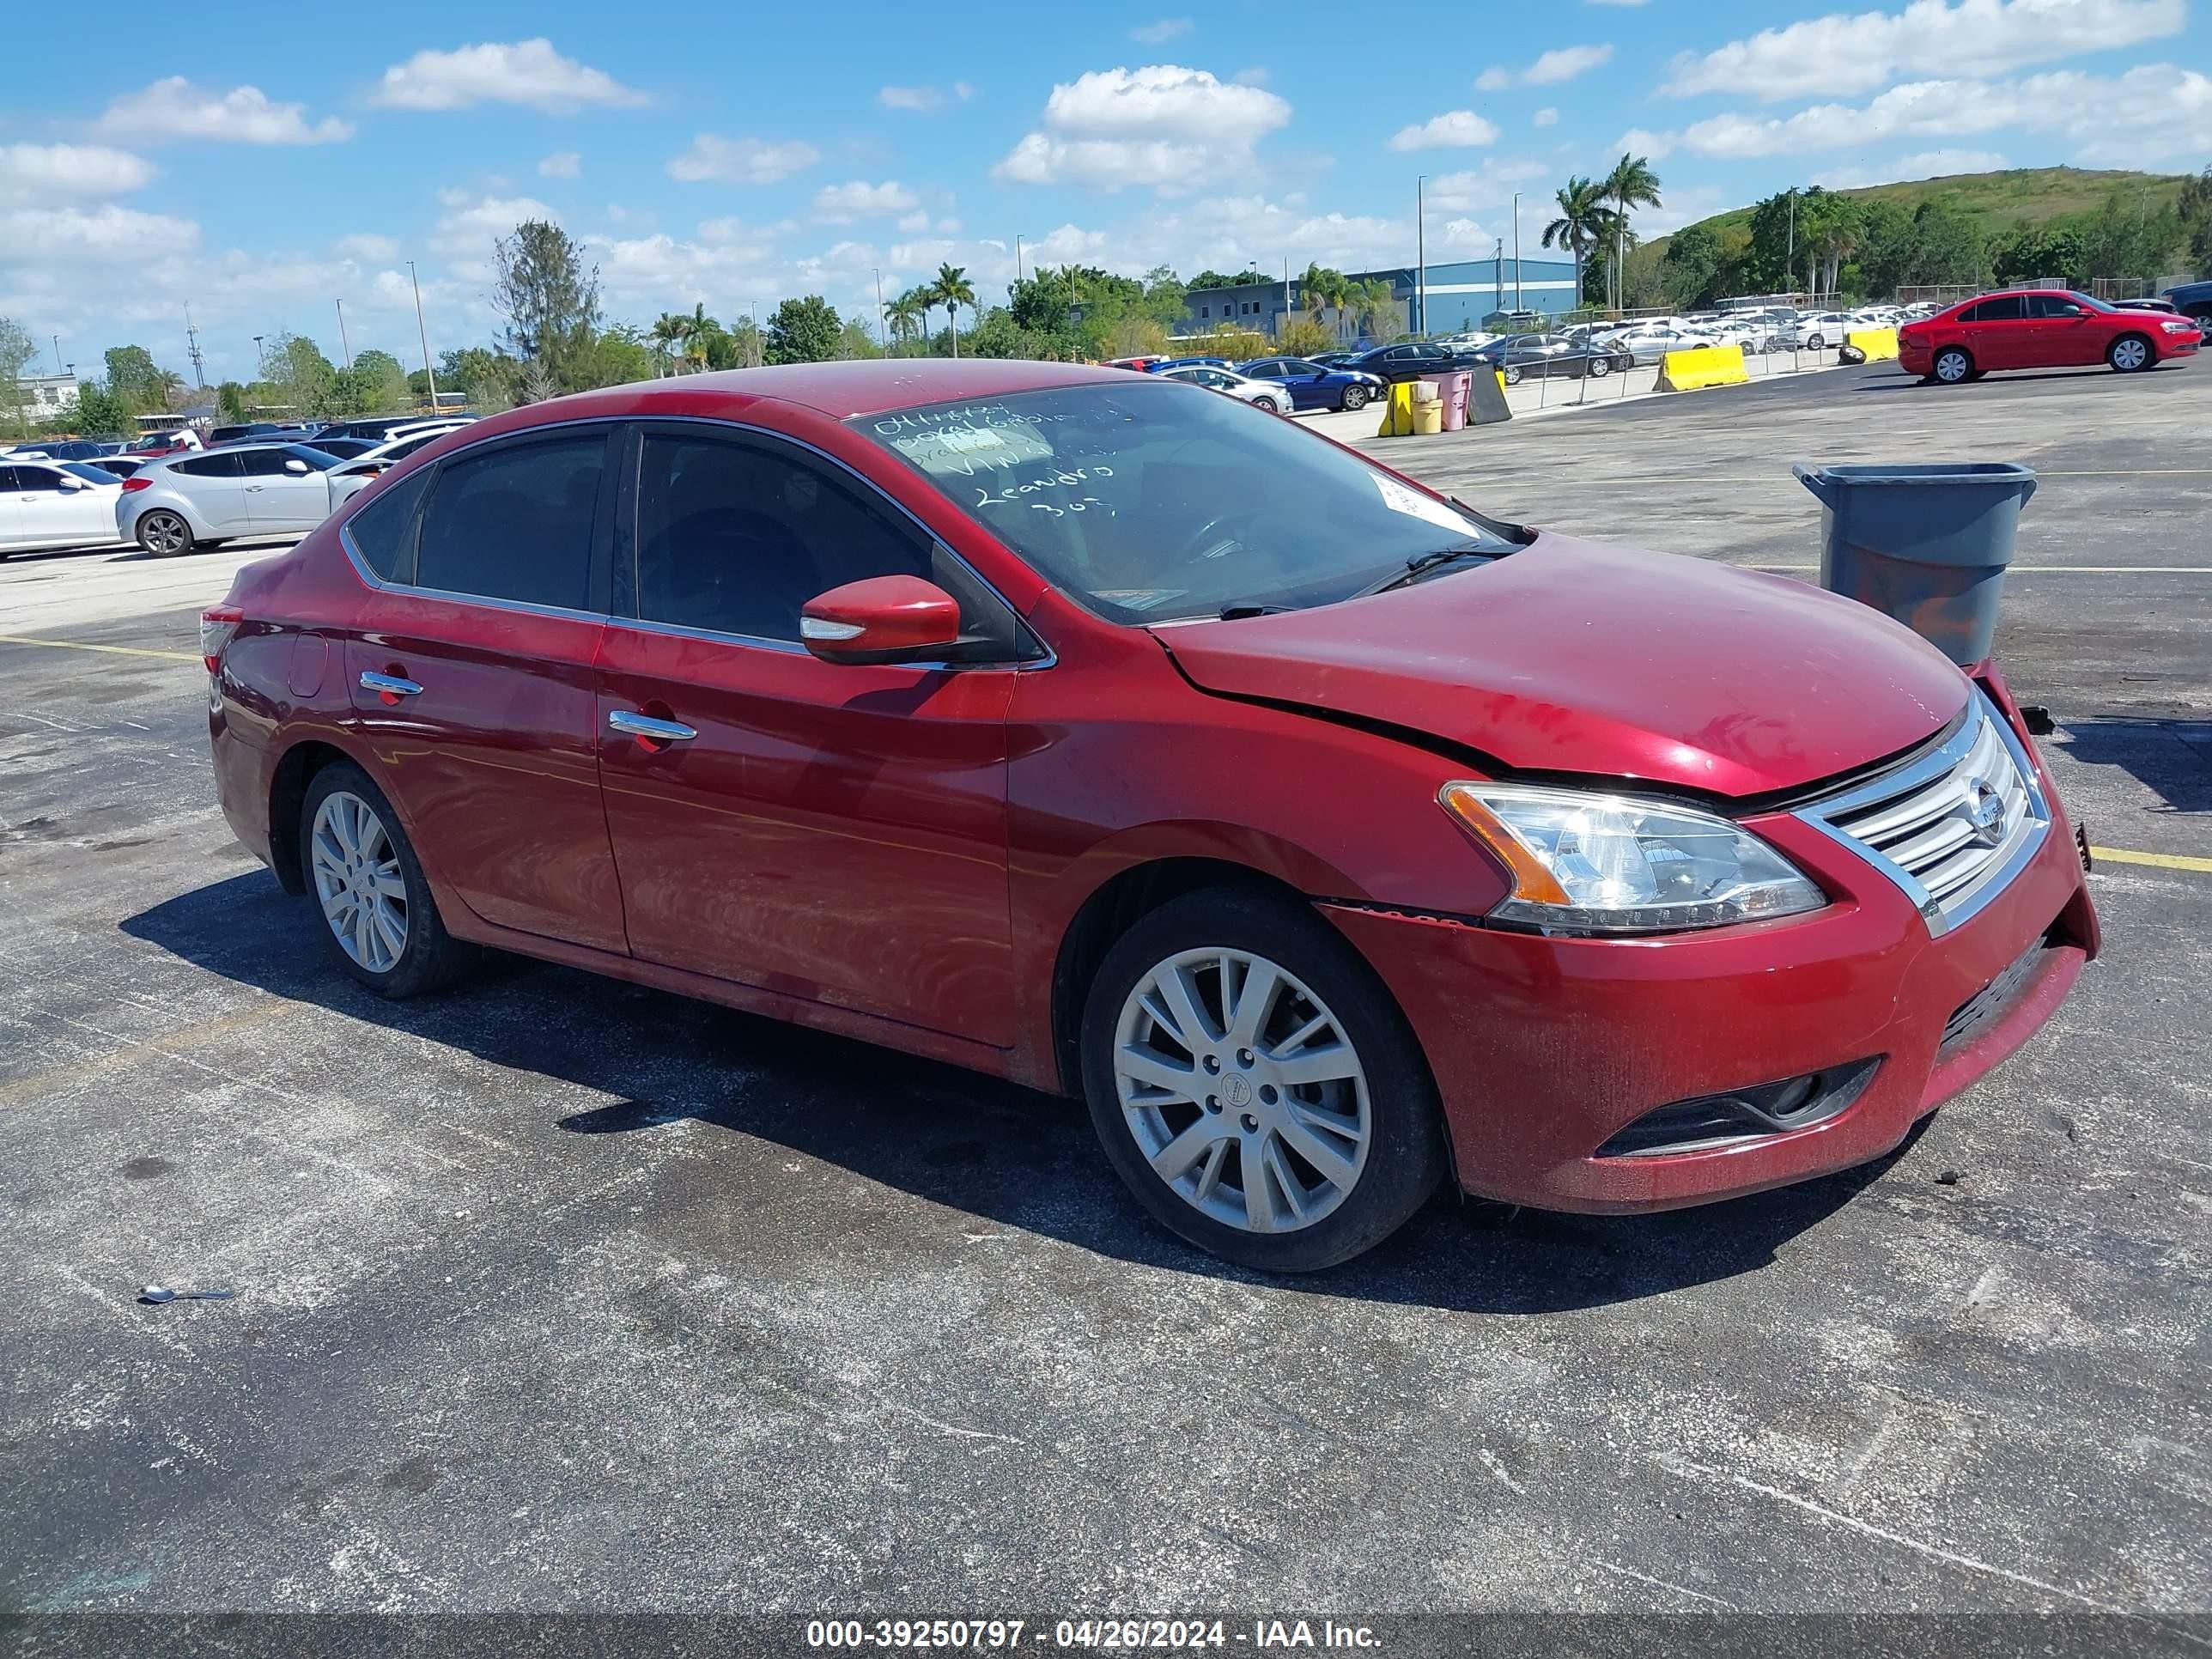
point(184, 502)
point(1816, 331)
point(1264, 393)
point(1646, 342)
point(349, 478)
point(45, 504)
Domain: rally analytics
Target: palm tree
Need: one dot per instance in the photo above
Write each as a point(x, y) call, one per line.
point(1632, 183)
point(904, 316)
point(668, 332)
point(697, 327)
point(1582, 223)
point(952, 289)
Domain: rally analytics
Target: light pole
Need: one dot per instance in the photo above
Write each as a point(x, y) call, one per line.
point(57, 339)
point(1421, 255)
point(343, 345)
point(1017, 259)
point(423, 333)
point(882, 339)
point(257, 357)
point(1517, 250)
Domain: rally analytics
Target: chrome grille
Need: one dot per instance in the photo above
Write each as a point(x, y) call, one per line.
point(1951, 828)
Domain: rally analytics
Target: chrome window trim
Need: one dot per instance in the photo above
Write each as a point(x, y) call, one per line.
point(1919, 774)
point(362, 569)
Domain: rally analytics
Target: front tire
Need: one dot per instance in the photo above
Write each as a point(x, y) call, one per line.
point(162, 533)
point(1255, 1085)
point(1355, 397)
point(374, 908)
point(1599, 367)
point(1951, 367)
point(2130, 354)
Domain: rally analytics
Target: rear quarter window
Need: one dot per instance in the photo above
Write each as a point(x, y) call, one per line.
point(382, 533)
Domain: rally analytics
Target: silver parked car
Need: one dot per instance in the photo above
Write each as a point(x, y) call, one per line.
point(349, 479)
point(188, 501)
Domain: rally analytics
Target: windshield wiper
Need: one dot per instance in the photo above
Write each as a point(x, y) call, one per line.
point(1233, 612)
point(1421, 563)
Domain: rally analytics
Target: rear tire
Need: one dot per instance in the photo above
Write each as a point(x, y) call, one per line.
point(162, 533)
point(1512, 374)
point(1373, 1121)
point(374, 910)
point(1951, 367)
point(2130, 354)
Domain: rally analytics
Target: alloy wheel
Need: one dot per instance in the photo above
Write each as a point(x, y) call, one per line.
point(1355, 397)
point(1242, 1090)
point(358, 881)
point(164, 533)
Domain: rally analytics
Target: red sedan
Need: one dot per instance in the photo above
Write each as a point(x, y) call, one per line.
point(1331, 838)
point(2041, 328)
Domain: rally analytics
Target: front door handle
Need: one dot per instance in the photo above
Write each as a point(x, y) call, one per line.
point(391, 685)
point(631, 724)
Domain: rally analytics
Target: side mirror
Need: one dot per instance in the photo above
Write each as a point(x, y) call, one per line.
point(69, 483)
point(883, 619)
point(296, 467)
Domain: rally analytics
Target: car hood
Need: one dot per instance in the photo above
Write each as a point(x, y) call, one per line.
point(1572, 656)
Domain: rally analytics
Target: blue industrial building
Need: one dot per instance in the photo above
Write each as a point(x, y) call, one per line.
point(1457, 296)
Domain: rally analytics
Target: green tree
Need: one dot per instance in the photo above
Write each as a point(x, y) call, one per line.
point(97, 412)
point(855, 339)
point(1244, 278)
point(903, 316)
point(1165, 296)
point(550, 299)
point(804, 331)
point(624, 354)
point(1631, 185)
point(2130, 238)
point(746, 347)
point(667, 337)
point(952, 289)
point(132, 376)
point(1690, 266)
point(230, 400)
point(297, 378)
point(16, 351)
point(1584, 222)
point(383, 379)
point(1947, 245)
point(490, 378)
point(1828, 231)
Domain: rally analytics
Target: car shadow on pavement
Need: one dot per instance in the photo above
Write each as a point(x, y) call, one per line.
point(2172, 758)
point(1012, 1155)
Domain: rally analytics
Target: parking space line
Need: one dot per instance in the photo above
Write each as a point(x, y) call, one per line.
point(2058, 569)
point(111, 650)
point(2156, 860)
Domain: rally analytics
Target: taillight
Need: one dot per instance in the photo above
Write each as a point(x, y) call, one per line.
point(218, 625)
point(130, 485)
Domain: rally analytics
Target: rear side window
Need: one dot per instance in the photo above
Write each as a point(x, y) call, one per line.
point(1994, 311)
point(516, 524)
point(223, 465)
point(383, 532)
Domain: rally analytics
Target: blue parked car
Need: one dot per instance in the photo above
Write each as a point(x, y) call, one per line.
point(1316, 385)
point(1161, 364)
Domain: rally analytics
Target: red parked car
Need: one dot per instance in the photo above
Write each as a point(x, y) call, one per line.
point(1331, 838)
point(2041, 328)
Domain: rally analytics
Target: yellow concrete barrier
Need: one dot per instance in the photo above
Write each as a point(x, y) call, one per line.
point(1398, 412)
point(1880, 344)
point(1687, 371)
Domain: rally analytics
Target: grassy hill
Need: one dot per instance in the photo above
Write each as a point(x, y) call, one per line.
point(2001, 201)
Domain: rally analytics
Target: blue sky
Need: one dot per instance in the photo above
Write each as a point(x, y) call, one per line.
point(261, 162)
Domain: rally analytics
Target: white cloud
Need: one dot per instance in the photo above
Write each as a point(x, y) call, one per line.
point(1637, 140)
point(1546, 118)
point(1928, 164)
point(466, 231)
point(918, 220)
point(1163, 125)
point(1841, 53)
point(30, 171)
point(1167, 28)
point(840, 205)
point(922, 98)
point(527, 72)
point(562, 164)
point(1490, 185)
point(742, 160)
point(175, 108)
point(367, 247)
point(2152, 113)
point(70, 233)
point(1454, 129)
point(1561, 63)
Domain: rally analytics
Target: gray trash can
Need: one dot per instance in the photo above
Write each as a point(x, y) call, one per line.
point(1925, 543)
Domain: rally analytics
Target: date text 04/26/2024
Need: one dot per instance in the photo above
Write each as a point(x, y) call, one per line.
point(1102, 1635)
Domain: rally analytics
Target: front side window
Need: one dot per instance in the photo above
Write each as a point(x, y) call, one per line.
point(2053, 305)
point(37, 478)
point(516, 523)
point(1146, 503)
point(263, 462)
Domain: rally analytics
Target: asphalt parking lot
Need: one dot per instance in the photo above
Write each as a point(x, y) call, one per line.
point(556, 1294)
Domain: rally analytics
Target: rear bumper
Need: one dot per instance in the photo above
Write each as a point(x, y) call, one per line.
point(1543, 1049)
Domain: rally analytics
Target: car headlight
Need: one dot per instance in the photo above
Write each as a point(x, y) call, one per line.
point(2177, 325)
point(1585, 863)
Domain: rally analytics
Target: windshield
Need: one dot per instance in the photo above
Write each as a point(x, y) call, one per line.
point(317, 459)
point(1150, 501)
point(90, 474)
point(2091, 301)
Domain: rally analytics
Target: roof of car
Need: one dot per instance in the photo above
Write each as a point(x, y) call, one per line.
point(839, 391)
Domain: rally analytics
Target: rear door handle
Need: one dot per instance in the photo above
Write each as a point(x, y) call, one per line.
point(631, 724)
point(389, 684)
